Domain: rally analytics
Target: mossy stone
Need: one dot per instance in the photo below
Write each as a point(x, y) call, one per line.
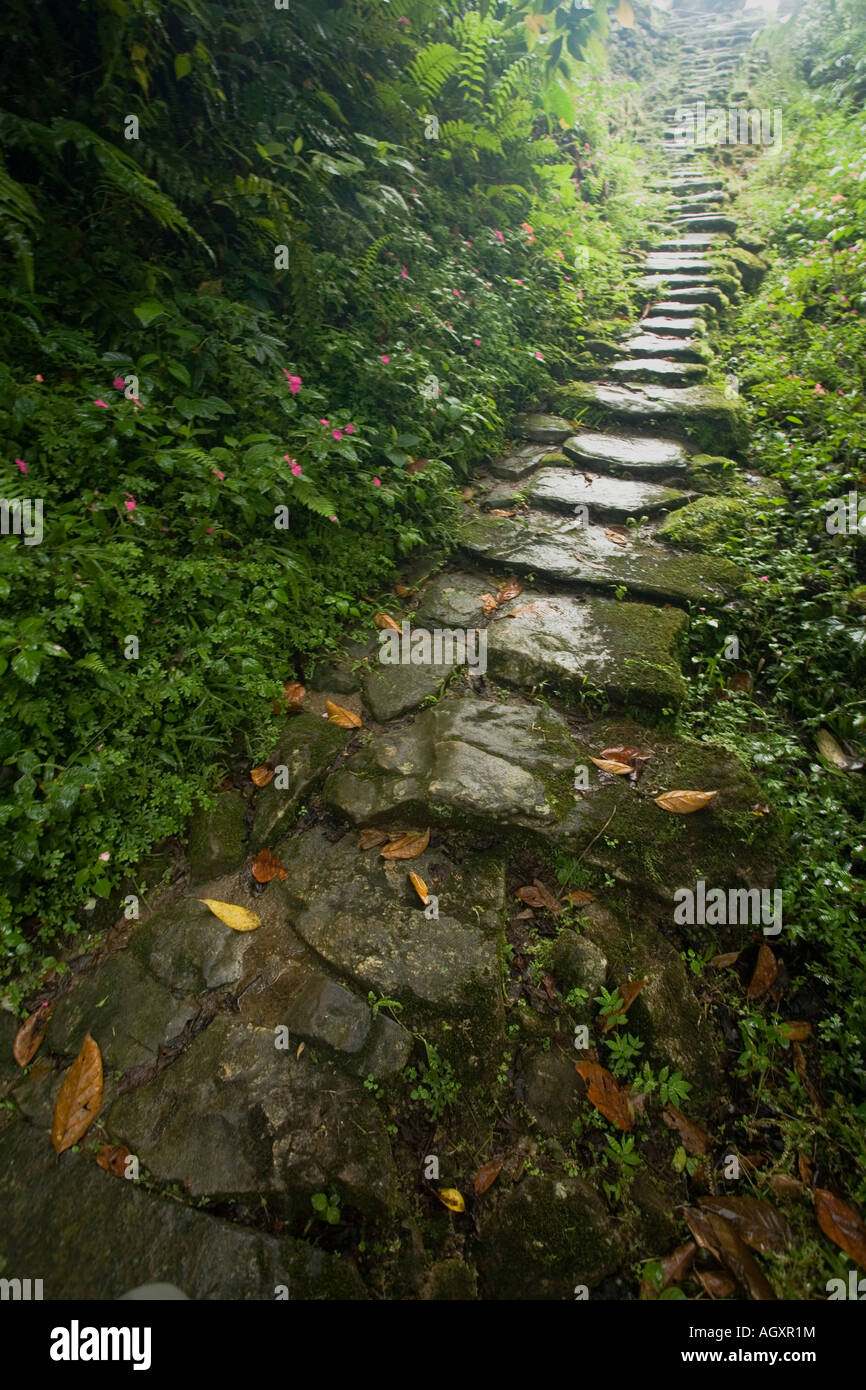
point(452, 1281)
point(216, 838)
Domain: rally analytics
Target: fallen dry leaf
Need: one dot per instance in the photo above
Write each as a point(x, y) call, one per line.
point(625, 752)
point(28, 1039)
point(610, 765)
point(262, 775)
point(407, 846)
point(718, 1236)
point(486, 1176)
point(512, 589)
point(729, 958)
point(537, 895)
point(766, 970)
point(841, 1224)
point(835, 754)
point(417, 465)
point(343, 718)
point(403, 590)
point(696, 1141)
point(112, 1158)
point(420, 888)
point(797, 1032)
point(294, 694)
point(385, 621)
point(606, 1094)
point(368, 838)
point(675, 1267)
point(467, 493)
point(616, 536)
point(80, 1097)
point(716, 1283)
point(266, 866)
point(804, 1168)
point(684, 803)
point(785, 1187)
point(579, 897)
point(488, 602)
point(628, 993)
point(502, 511)
point(451, 1198)
point(760, 1225)
point(808, 1081)
point(238, 918)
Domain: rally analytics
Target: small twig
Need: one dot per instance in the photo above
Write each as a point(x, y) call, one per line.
point(601, 832)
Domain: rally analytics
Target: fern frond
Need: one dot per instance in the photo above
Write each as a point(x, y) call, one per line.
point(433, 66)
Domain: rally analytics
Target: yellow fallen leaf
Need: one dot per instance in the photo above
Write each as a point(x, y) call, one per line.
point(343, 718)
point(238, 918)
point(611, 765)
point(684, 802)
point(420, 888)
point(451, 1198)
point(384, 620)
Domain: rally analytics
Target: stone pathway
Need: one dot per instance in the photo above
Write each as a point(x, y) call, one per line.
point(249, 1072)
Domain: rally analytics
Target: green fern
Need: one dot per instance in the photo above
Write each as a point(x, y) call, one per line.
point(19, 217)
point(433, 66)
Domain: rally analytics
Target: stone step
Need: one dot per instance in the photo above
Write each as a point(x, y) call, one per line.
point(684, 264)
point(580, 556)
point(605, 498)
point(706, 222)
point(660, 325)
point(521, 461)
point(696, 240)
point(694, 205)
point(660, 369)
point(661, 345)
point(618, 452)
point(675, 308)
point(703, 294)
point(704, 408)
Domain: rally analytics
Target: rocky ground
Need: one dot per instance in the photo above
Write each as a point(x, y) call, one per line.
point(260, 1078)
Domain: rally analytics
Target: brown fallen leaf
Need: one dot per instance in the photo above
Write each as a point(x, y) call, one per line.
point(28, 1039)
point(784, 1187)
point(841, 1224)
point(808, 1081)
point(368, 838)
point(579, 897)
point(604, 1092)
point(804, 1168)
point(112, 1158)
point(301, 1047)
point(684, 803)
point(503, 511)
point(536, 895)
point(385, 621)
point(797, 1032)
point(695, 1140)
point(760, 1225)
point(486, 1176)
point(467, 493)
point(729, 958)
point(512, 589)
point(675, 1267)
point(488, 602)
point(613, 535)
point(625, 752)
point(740, 681)
point(718, 1236)
point(766, 970)
point(262, 775)
point(420, 888)
point(406, 846)
point(539, 605)
point(833, 752)
point(416, 465)
point(80, 1097)
point(627, 993)
point(266, 866)
point(343, 718)
point(716, 1283)
point(294, 694)
point(610, 765)
point(403, 590)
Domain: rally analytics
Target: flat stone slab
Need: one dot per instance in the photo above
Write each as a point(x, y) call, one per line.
point(635, 453)
point(706, 222)
point(654, 345)
point(658, 369)
point(453, 600)
point(691, 405)
point(117, 1236)
point(187, 949)
point(660, 261)
point(308, 746)
point(608, 499)
point(676, 308)
point(235, 1116)
point(129, 1013)
point(520, 462)
point(625, 649)
point(703, 294)
point(543, 429)
point(511, 768)
point(689, 241)
point(360, 913)
point(659, 326)
point(391, 691)
point(577, 555)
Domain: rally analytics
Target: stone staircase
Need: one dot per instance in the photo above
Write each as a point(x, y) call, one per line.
point(188, 1013)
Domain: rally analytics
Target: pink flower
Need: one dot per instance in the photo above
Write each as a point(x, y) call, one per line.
point(819, 390)
point(326, 423)
point(404, 21)
point(295, 382)
point(456, 294)
point(129, 504)
point(765, 578)
point(338, 434)
point(539, 356)
point(295, 466)
point(118, 383)
point(350, 429)
point(21, 465)
point(102, 404)
point(499, 236)
point(208, 530)
point(333, 518)
point(477, 342)
point(99, 747)
point(377, 482)
point(105, 855)
point(218, 473)
point(384, 359)
point(39, 377)
point(404, 274)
